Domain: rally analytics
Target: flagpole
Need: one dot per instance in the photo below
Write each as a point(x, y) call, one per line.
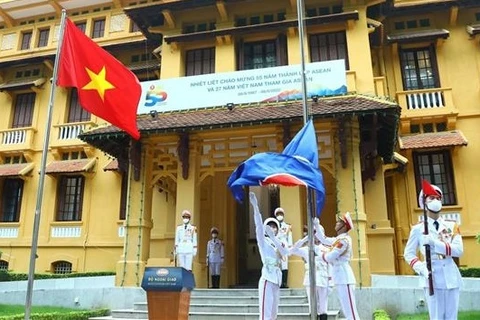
point(310, 211)
point(41, 182)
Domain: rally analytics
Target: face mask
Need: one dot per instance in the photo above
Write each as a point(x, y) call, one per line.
point(280, 218)
point(185, 220)
point(434, 206)
point(214, 235)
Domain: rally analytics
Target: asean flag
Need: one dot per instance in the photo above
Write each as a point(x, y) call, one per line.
point(296, 166)
point(106, 88)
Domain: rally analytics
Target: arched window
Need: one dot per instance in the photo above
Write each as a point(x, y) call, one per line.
point(62, 267)
point(3, 265)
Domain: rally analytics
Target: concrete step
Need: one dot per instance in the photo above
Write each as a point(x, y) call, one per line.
point(243, 292)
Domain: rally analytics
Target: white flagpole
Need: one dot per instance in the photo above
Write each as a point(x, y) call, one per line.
point(41, 182)
point(310, 211)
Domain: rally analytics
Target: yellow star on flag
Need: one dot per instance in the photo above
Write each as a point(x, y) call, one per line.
point(98, 82)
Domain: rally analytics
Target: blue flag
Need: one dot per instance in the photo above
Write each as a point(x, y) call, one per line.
point(297, 165)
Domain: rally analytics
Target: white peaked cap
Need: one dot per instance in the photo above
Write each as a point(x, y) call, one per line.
point(278, 211)
point(186, 213)
point(268, 220)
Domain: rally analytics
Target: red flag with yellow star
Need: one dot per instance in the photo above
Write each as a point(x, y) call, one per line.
point(106, 88)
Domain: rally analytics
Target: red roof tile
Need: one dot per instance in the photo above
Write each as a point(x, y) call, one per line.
point(111, 166)
point(69, 166)
point(12, 170)
point(242, 115)
point(433, 140)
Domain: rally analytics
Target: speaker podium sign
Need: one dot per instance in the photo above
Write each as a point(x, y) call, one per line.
point(168, 292)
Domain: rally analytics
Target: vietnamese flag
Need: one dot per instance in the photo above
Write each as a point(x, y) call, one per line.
point(106, 88)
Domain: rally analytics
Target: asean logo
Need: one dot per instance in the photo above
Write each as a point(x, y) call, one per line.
point(162, 272)
point(154, 96)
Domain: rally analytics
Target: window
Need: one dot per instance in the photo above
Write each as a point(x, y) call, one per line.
point(3, 265)
point(436, 167)
point(26, 39)
point(98, 28)
point(75, 111)
point(262, 54)
point(62, 267)
point(419, 68)
point(200, 61)
point(82, 26)
point(123, 196)
point(329, 46)
point(23, 113)
point(43, 38)
point(70, 198)
point(12, 191)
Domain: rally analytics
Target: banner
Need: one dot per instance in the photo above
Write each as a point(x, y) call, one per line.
point(283, 83)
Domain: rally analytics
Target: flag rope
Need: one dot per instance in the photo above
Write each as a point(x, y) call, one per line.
point(127, 224)
point(140, 221)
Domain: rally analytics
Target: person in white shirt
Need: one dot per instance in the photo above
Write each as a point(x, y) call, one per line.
point(285, 236)
point(445, 243)
point(215, 257)
point(339, 257)
point(322, 277)
point(271, 252)
point(186, 242)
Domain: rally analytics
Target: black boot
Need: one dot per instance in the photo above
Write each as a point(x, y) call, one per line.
point(218, 282)
point(284, 278)
point(212, 282)
point(323, 316)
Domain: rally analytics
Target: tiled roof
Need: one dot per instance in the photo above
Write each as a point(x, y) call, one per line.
point(473, 29)
point(22, 84)
point(245, 115)
point(70, 166)
point(111, 166)
point(417, 36)
point(18, 169)
point(433, 140)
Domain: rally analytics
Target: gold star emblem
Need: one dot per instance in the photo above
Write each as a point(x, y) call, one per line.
point(98, 82)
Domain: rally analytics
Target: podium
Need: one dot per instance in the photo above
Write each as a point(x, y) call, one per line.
point(168, 292)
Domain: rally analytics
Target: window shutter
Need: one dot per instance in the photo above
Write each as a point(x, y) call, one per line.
point(282, 54)
point(240, 55)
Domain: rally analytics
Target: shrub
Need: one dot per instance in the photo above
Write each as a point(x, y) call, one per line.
point(11, 276)
point(470, 272)
point(73, 315)
point(380, 315)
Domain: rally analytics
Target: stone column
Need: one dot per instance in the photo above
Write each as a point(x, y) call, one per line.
point(350, 198)
point(138, 224)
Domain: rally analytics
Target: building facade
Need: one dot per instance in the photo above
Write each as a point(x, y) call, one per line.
point(410, 113)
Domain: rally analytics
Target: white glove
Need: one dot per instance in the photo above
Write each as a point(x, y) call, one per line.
point(427, 240)
point(194, 252)
point(319, 230)
point(253, 199)
point(206, 262)
point(421, 269)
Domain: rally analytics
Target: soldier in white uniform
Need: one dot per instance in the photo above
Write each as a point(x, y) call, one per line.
point(322, 278)
point(215, 257)
point(339, 257)
point(186, 242)
point(285, 236)
point(445, 243)
point(271, 252)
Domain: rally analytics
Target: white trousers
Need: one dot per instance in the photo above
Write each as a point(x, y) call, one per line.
point(346, 295)
point(184, 260)
point(443, 305)
point(268, 299)
point(322, 299)
point(214, 268)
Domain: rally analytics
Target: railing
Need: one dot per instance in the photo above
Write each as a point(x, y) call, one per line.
point(121, 231)
point(16, 139)
point(66, 232)
point(65, 133)
point(433, 101)
point(380, 86)
point(8, 232)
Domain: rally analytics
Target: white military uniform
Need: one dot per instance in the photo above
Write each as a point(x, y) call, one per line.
point(185, 245)
point(448, 243)
point(285, 236)
point(322, 277)
point(215, 254)
point(271, 251)
point(339, 258)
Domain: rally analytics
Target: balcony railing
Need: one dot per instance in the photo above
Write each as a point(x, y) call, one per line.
point(435, 101)
point(67, 134)
point(8, 232)
point(16, 139)
point(380, 86)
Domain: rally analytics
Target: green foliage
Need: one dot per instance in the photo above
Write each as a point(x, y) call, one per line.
point(476, 237)
point(11, 276)
point(470, 272)
point(72, 315)
point(464, 315)
point(380, 315)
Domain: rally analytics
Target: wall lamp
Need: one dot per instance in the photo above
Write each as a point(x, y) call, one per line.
point(153, 114)
point(230, 106)
point(315, 98)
